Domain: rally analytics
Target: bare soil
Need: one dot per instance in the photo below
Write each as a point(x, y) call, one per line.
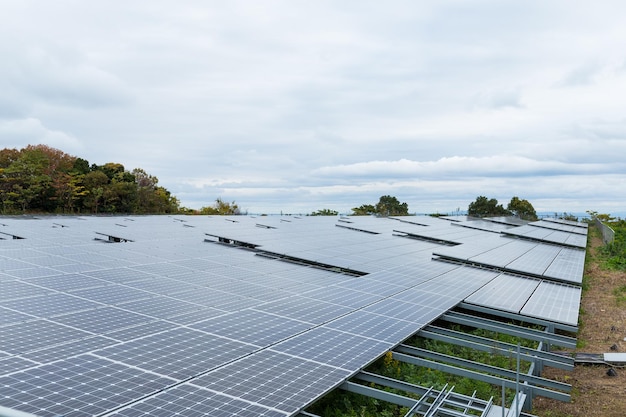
point(602, 329)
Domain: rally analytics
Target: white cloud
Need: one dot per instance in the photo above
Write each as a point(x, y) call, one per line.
point(20, 133)
point(288, 106)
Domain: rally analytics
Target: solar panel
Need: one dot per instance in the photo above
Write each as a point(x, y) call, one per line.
point(19, 338)
point(505, 292)
point(102, 320)
point(69, 349)
point(375, 326)
point(82, 385)
point(14, 363)
point(67, 282)
point(50, 305)
point(555, 302)
point(305, 309)
point(274, 379)
point(10, 290)
point(178, 353)
point(12, 317)
point(254, 327)
point(333, 347)
point(188, 400)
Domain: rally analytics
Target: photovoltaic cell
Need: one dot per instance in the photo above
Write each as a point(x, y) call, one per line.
point(111, 294)
point(178, 353)
point(374, 326)
point(13, 364)
point(66, 350)
point(305, 309)
point(506, 292)
point(102, 320)
point(141, 330)
point(555, 302)
point(274, 380)
point(50, 305)
point(390, 307)
point(196, 316)
point(160, 307)
point(67, 282)
point(80, 386)
point(18, 338)
point(333, 347)
point(342, 296)
point(254, 327)
point(536, 261)
point(11, 290)
point(12, 317)
point(567, 266)
point(188, 400)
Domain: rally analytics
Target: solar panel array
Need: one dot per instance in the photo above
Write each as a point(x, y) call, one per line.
point(164, 323)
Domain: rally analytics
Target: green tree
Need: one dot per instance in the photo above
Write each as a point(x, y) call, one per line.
point(325, 212)
point(41, 178)
point(386, 206)
point(391, 206)
point(95, 183)
point(522, 208)
point(221, 207)
point(364, 210)
point(485, 207)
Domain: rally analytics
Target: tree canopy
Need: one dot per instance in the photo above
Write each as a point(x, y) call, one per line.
point(486, 207)
point(39, 178)
point(325, 212)
point(489, 207)
point(522, 209)
point(221, 207)
point(386, 206)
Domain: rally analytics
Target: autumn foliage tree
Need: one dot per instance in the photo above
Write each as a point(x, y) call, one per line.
point(39, 178)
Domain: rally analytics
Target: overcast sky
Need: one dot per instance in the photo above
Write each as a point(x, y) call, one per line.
point(296, 106)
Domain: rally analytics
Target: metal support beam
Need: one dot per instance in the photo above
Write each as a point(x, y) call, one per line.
point(479, 376)
point(494, 370)
point(518, 317)
point(510, 329)
point(391, 383)
point(449, 404)
point(490, 345)
point(378, 394)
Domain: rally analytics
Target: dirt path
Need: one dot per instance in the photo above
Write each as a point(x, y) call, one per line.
point(602, 329)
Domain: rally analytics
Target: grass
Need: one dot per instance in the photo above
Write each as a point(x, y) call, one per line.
point(620, 294)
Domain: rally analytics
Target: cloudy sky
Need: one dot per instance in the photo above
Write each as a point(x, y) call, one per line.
point(296, 106)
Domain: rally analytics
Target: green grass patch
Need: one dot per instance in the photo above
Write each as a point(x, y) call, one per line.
point(620, 294)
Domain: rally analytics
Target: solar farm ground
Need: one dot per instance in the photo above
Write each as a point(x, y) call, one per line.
point(603, 318)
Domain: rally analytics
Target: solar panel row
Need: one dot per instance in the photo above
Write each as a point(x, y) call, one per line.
point(167, 324)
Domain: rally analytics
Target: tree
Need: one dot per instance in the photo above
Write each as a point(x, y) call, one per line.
point(484, 207)
point(41, 178)
point(94, 183)
point(221, 207)
point(386, 206)
point(391, 206)
point(364, 210)
point(325, 212)
point(522, 208)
